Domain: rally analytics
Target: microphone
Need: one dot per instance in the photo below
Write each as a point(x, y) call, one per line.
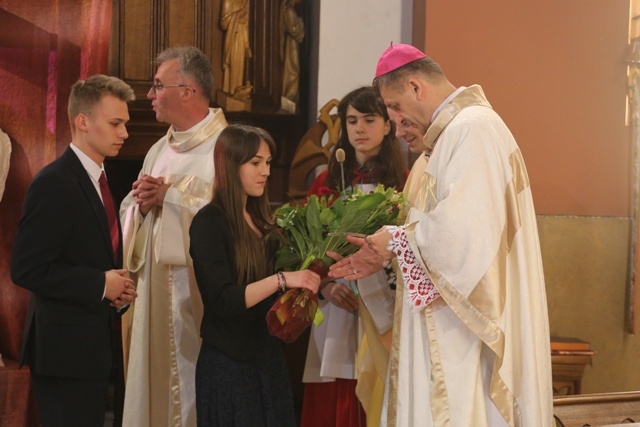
point(340, 157)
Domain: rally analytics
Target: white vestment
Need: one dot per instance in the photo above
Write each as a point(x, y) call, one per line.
point(332, 346)
point(161, 338)
point(479, 355)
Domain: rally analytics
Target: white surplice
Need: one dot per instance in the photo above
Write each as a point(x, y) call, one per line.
point(332, 345)
point(161, 338)
point(479, 354)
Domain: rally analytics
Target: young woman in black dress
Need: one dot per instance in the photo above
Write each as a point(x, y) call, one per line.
point(241, 374)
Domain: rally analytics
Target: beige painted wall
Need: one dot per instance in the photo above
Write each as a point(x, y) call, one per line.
point(555, 71)
point(585, 261)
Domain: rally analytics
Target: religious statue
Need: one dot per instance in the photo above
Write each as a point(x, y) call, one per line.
point(234, 20)
point(243, 92)
point(291, 35)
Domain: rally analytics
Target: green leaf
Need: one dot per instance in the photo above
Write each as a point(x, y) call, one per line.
point(327, 216)
point(370, 201)
point(287, 259)
point(300, 238)
point(312, 216)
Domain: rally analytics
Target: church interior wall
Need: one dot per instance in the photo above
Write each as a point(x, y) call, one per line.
point(555, 71)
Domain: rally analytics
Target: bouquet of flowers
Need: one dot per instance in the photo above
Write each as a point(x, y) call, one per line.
point(307, 232)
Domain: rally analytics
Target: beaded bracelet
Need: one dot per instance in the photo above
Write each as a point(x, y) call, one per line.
point(282, 282)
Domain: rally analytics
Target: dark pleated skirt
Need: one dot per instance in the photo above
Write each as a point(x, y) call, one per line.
point(255, 393)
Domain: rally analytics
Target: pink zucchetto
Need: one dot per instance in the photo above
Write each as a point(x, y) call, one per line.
point(396, 56)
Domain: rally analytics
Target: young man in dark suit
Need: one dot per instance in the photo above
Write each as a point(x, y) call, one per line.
point(68, 253)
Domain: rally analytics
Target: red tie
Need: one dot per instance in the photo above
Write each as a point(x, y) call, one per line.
point(111, 213)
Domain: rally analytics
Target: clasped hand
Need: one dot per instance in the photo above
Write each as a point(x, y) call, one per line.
point(119, 288)
point(149, 192)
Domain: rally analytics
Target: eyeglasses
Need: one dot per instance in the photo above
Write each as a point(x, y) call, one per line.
point(159, 87)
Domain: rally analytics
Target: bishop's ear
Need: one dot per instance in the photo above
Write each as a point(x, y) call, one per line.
point(416, 88)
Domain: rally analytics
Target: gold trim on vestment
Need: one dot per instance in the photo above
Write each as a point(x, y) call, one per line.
point(209, 129)
point(439, 396)
point(392, 384)
point(473, 95)
point(192, 188)
point(176, 403)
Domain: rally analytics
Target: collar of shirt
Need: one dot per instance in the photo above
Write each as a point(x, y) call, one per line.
point(184, 135)
point(446, 101)
point(94, 170)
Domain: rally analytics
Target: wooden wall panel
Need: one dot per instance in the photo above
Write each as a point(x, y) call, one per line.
point(136, 45)
point(265, 66)
point(181, 23)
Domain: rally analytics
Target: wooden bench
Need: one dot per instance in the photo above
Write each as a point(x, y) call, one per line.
point(602, 409)
point(567, 371)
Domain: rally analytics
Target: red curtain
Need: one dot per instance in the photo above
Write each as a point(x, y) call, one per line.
point(44, 48)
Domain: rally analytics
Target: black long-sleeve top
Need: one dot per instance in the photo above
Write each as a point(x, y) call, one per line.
point(227, 324)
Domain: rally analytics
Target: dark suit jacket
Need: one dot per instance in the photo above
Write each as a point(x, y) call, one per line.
point(61, 252)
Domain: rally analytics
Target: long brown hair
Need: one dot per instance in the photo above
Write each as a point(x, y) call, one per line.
point(388, 167)
point(236, 145)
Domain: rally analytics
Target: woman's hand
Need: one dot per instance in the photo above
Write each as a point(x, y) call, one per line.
point(304, 279)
